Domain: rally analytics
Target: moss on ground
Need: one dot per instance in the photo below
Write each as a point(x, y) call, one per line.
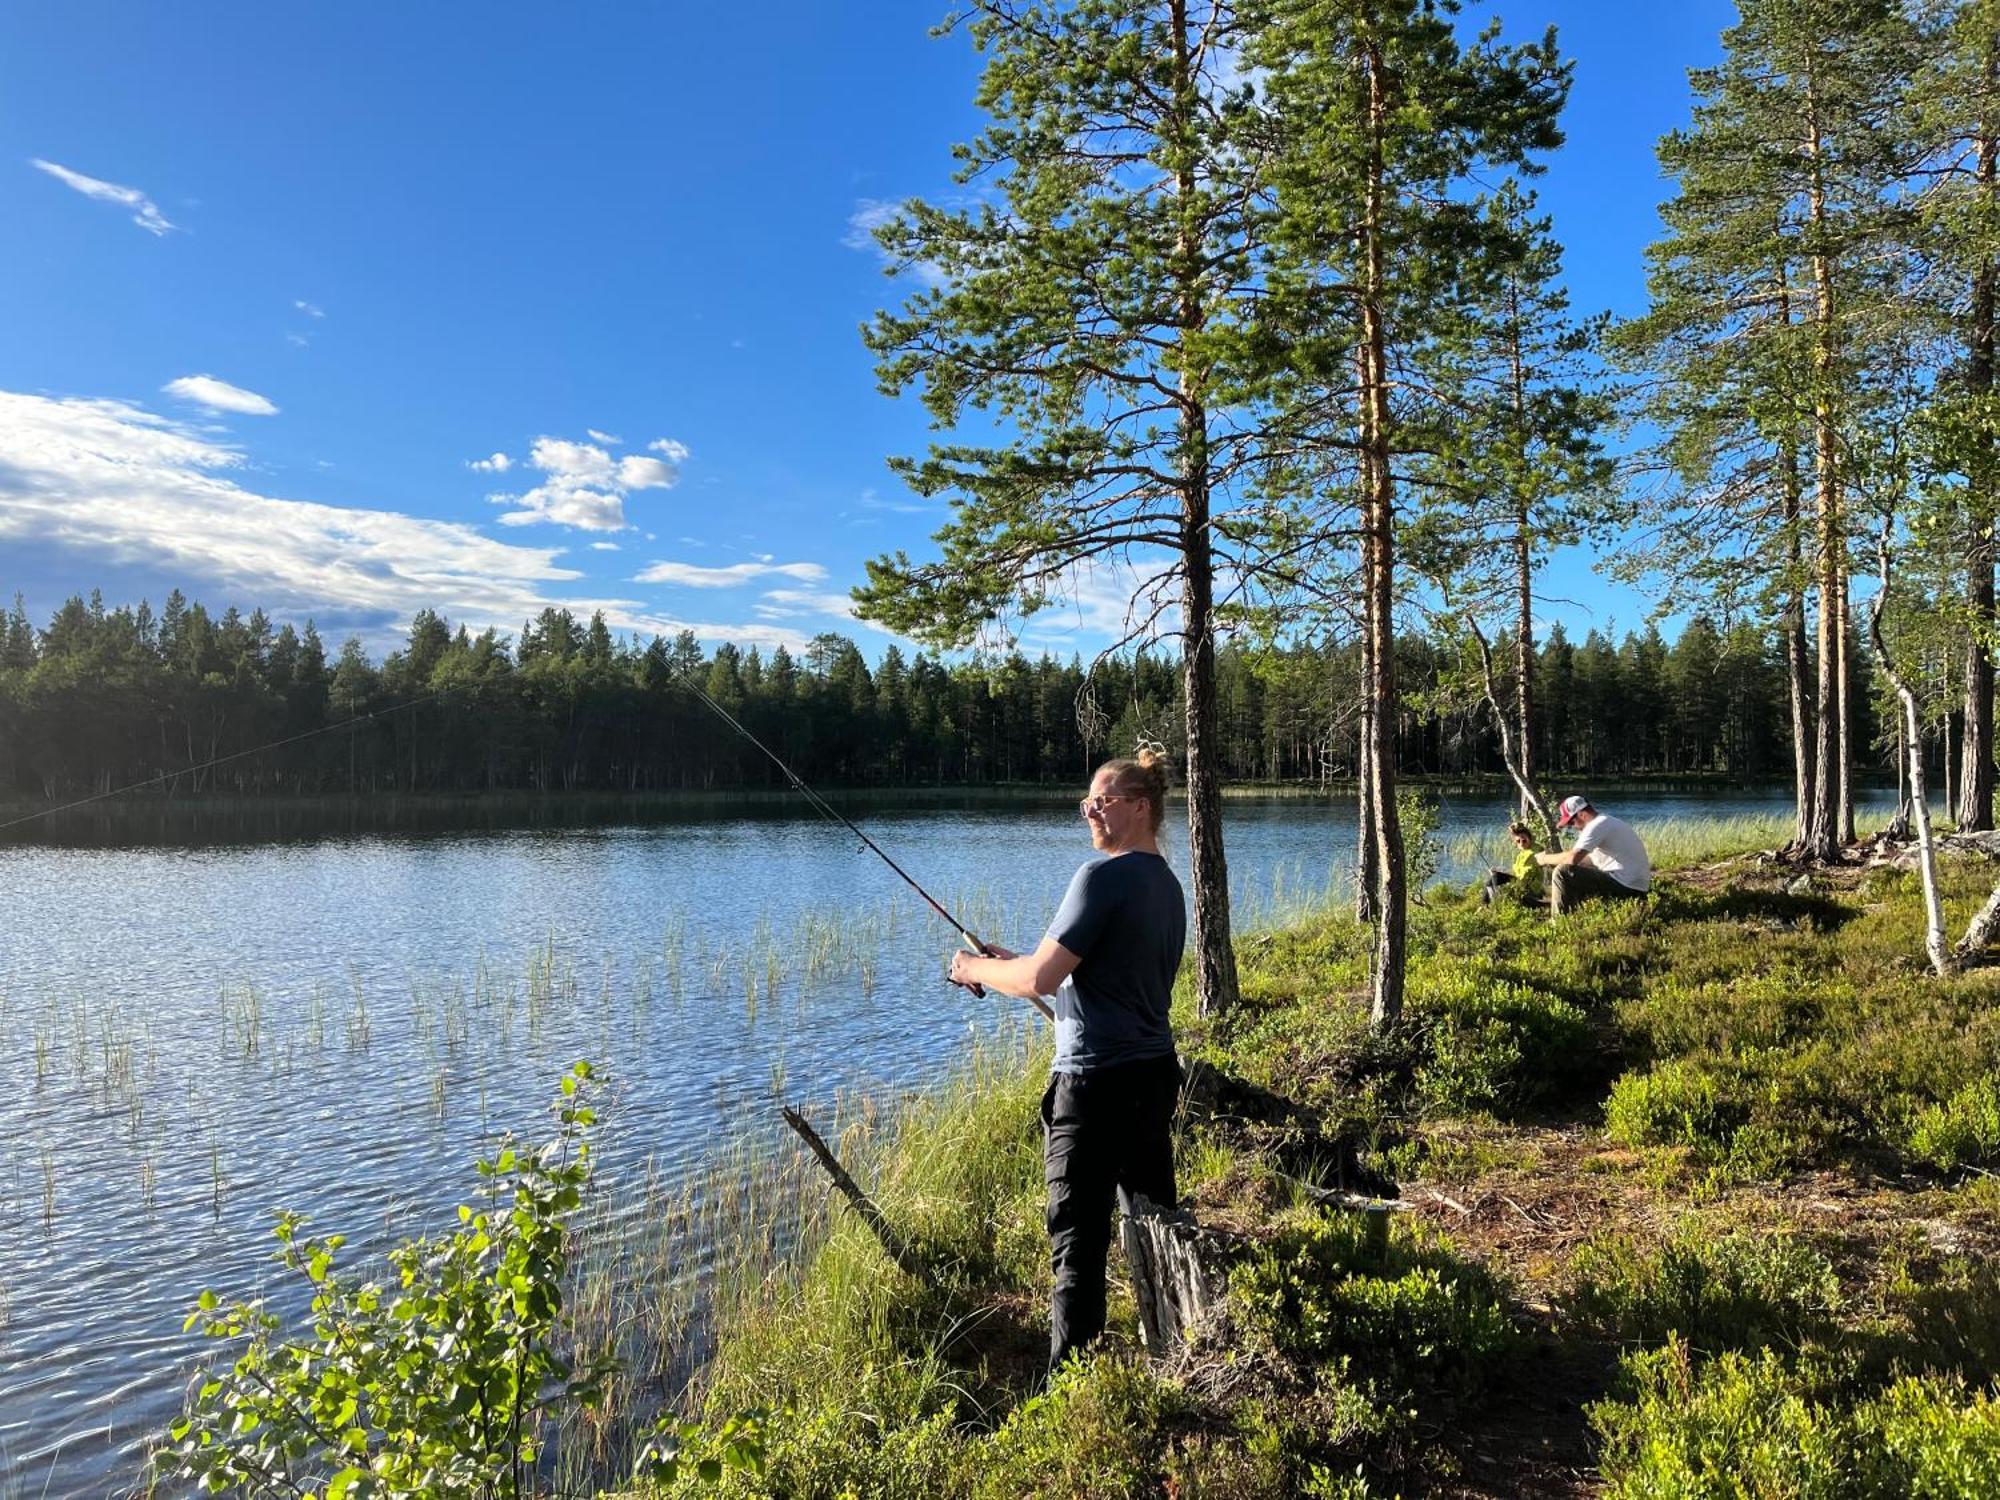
point(1697, 1197)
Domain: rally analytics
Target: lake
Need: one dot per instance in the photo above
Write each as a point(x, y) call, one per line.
point(193, 1036)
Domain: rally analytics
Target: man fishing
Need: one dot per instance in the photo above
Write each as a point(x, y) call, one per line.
point(1108, 961)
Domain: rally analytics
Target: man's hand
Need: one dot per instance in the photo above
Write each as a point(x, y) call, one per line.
point(1035, 974)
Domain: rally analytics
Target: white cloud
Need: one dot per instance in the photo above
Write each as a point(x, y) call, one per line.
point(603, 437)
point(297, 340)
point(786, 604)
point(585, 486)
point(869, 215)
point(692, 576)
point(308, 308)
point(220, 395)
point(603, 546)
point(146, 213)
point(498, 463)
point(636, 473)
point(676, 453)
point(1104, 599)
point(110, 483)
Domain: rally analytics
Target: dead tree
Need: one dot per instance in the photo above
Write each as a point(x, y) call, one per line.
point(1912, 736)
point(1511, 753)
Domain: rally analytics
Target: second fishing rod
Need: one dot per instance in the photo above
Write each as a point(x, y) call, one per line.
point(826, 810)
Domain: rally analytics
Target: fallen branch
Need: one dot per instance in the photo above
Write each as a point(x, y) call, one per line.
point(892, 1241)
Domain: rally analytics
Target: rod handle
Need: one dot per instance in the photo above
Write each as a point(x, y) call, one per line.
point(974, 945)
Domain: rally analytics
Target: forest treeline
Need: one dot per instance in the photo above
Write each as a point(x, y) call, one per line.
point(100, 698)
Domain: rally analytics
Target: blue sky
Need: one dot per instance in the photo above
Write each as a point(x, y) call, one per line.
point(276, 276)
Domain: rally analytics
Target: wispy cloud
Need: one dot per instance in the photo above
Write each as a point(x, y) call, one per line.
point(787, 604)
point(870, 215)
point(872, 501)
point(220, 395)
point(311, 310)
point(692, 576)
point(603, 546)
point(498, 463)
point(585, 487)
point(1106, 599)
point(111, 484)
point(603, 437)
point(146, 214)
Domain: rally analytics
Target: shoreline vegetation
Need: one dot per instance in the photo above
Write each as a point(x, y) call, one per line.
point(280, 813)
point(1693, 1196)
point(1689, 1193)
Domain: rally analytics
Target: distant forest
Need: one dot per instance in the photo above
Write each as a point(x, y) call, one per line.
point(102, 698)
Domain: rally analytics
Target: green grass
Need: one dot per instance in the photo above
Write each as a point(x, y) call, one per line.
point(1712, 1168)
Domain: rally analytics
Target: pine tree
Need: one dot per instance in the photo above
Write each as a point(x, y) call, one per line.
point(1382, 122)
point(1091, 302)
point(1769, 292)
point(1954, 122)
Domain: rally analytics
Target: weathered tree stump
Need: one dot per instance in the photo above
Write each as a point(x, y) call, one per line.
point(1177, 1277)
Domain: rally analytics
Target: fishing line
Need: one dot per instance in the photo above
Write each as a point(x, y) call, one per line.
point(290, 739)
point(828, 811)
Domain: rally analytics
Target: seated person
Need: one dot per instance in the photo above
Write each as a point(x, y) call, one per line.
point(1525, 877)
point(1607, 862)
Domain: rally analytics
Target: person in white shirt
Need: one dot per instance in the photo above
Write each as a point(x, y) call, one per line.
point(1608, 862)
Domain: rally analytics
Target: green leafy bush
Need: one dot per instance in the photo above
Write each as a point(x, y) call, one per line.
point(1963, 1131)
point(1422, 1321)
point(435, 1384)
point(1677, 1103)
point(1742, 1426)
point(1094, 1431)
point(1500, 1046)
point(1717, 1292)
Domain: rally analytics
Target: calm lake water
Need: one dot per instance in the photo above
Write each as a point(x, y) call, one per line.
point(193, 1037)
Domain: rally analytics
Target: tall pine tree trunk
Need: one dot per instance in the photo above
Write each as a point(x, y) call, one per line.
point(1975, 780)
point(1378, 530)
point(1793, 619)
point(1797, 657)
point(1524, 577)
point(1846, 706)
point(1367, 862)
point(1215, 955)
point(1822, 840)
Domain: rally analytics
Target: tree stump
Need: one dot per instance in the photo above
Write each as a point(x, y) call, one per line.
point(1176, 1277)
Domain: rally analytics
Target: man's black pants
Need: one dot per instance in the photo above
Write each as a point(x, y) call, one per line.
point(1106, 1132)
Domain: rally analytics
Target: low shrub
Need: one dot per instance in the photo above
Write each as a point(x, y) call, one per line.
point(1501, 1047)
point(1676, 1103)
point(1093, 1431)
point(1421, 1322)
point(1716, 1292)
point(1963, 1131)
point(1741, 1426)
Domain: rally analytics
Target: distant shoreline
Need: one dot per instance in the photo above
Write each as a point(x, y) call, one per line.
point(283, 815)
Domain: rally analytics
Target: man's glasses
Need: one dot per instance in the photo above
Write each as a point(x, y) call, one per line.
point(1089, 805)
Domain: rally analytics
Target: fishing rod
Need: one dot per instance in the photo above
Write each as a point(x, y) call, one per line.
point(826, 810)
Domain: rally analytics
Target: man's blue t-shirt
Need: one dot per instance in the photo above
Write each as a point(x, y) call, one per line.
point(1126, 919)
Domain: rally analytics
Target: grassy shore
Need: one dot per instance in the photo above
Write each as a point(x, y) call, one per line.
point(1697, 1205)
